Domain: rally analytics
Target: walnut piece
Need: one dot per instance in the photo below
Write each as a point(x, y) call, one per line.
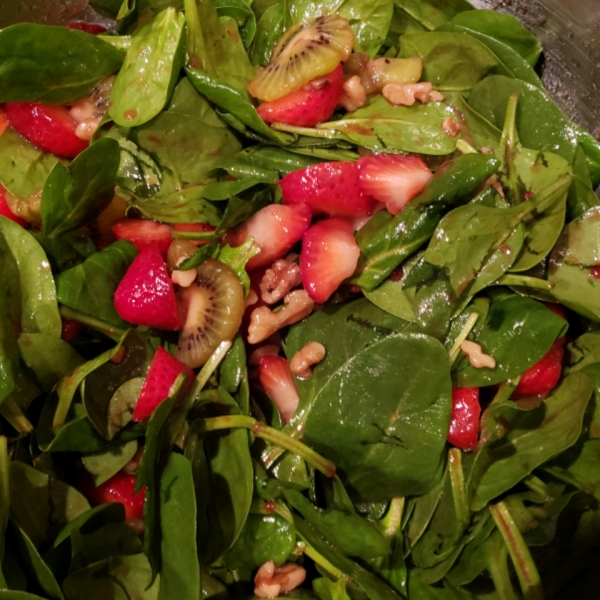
point(407, 95)
point(450, 127)
point(353, 95)
point(270, 581)
point(309, 355)
point(477, 356)
point(264, 322)
point(279, 279)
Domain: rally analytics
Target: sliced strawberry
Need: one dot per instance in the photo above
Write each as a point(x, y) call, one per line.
point(145, 295)
point(464, 424)
point(93, 28)
point(118, 488)
point(329, 255)
point(6, 212)
point(541, 378)
point(276, 377)
point(143, 232)
point(3, 121)
point(195, 228)
point(50, 128)
point(162, 373)
point(71, 329)
point(329, 188)
point(393, 179)
point(312, 104)
point(275, 228)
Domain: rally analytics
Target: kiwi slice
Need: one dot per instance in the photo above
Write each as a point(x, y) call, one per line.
point(305, 51)
point(212, 310)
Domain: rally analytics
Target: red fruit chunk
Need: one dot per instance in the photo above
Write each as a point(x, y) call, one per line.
point(119, 488)
point(145, 295)
point(50, 128)
point(162, 373)
point(541, 378)
point(71, 329)
point(143, 232)
point(276, 377)
point(6, 212)
point(329, 255)
point(3, 121)
point(312, 104)
point(329, 188)
point(275, 228)
point(464, 424)
point(393, 179)
point(93, 28)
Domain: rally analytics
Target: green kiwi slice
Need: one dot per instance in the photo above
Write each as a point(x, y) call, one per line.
point(212, 307)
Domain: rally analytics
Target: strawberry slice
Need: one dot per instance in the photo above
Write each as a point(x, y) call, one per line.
point(464, 423)
point(143, 232)
point(329, 255)
point(276, 377)
point(329, 188)
point(393, 179)
point(71, 329)
point(275, 228)
point(3, 121)
point(162, 373)
point(145, 295)
point(119, 488)
point(5, 210)
point(50, 128)
point(92, 28)
point(307, 107)
point(541, 378)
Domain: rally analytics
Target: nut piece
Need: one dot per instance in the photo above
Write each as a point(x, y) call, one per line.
point(270, 581)
point(264, 322)
point(353, 95)
point(450, 127)
point(407, 95)
point(476, 356)
point(279, 279)
point(309, 355)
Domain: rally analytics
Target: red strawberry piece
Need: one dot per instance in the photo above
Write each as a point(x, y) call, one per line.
point(3, 121)
point(6, 212)
point(119, 488)
point(329, 255)
point(145, 295)
point(329, 188)
point(71, 329)
point(393, 179)
point(312, 104)
point(275, 228)
point(276, 378)
point(542, 377)
point(162, 373)
point(50, 128)
point(195, 228)
point(464, 424)
point(93, 28)
point(143, 232)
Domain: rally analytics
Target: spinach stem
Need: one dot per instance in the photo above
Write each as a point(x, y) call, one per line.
point(498, 568)
point(530, 282)
point(466, 148)
point(390, 524)
point(12, 412)
point(193, 235)
point(4, 487)
point(457, 479)
point(462, 336)
point(273, 436)
point(322, 561)
point(329, 134)
point(114, 333)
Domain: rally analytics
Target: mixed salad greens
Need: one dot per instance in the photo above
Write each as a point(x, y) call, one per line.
point(360, 488)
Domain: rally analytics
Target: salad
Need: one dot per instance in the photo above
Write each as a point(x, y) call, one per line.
point(297, 299)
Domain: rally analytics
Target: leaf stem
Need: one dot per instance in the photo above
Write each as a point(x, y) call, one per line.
point(465, 148)
point(328, 134)
point(322, 561)
point(273, 436)
point(114, 333)
point(12, 412)
point(462, 336)
point(390, 524)
point(457, 479)
point(200, 236)
point(530, 282)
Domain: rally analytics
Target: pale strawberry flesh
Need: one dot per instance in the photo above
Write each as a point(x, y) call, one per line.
point(275, 228)
point(50, 128)
point(308, 106)
point(329, 188)
point(145, 295)
point(393, 179)
point(164, 370)
point(143, 232)
point(329, 256)
point(276, 378)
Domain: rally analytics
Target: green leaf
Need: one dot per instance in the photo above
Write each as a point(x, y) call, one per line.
point(104, 464)
point(433, 13)
point(243, 16)
point(531, 437)
point(40, 63)
point(156, 48)
point(39, 308)
point(581, 195)
point(74, 196)
point(268, 31)
point(237, 258)
point(89, 287)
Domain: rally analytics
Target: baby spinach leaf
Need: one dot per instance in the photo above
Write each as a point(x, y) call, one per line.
point(104, 464)
point(382, 127)
point(157, 47)
point(74, 196)
point(89, 287)
point(16, 595)
point(532, 437)
point(331, 590)
point(433, 13)
point(237, 258)
point(40, 63)
point(581, 194)
point(241, 12)
point(39, 308)
point(268, 31)
point(518, 331)
point(575, 253)
point(180, 571)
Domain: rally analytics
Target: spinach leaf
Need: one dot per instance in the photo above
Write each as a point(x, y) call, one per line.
point(268, 31)
point(39, 308)
point(531, 437)
point(39, 63)
point(581, 194)
point(89, 287)
point(74, 196)
point(382, 127)
point(241, 12)
point(433, 13)
point(102, 465)
point(156, 48)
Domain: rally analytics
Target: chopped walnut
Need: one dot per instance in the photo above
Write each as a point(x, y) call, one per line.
point(264, 322)
point(353, 95)
point(279, 279)
point(435, 96)
point(476, 356)
point(266, 350)
point(270, 581)
point(86, 129)
point(407, 95)
point(309, 355)
point(251, 299)
point(450, 126)
point(29, 209)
